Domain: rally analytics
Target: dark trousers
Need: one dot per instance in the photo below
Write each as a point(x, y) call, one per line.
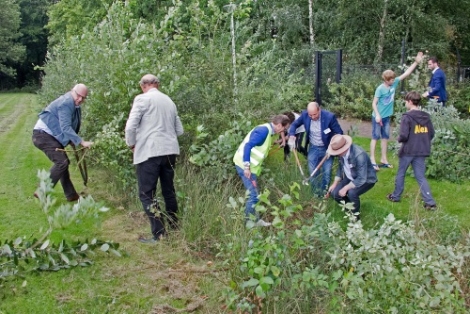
point(353, 194)
point(298, 144)
point(148, 174)
point(60, 170)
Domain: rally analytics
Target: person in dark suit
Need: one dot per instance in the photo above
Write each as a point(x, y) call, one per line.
point(320, 126)
point(437, 84)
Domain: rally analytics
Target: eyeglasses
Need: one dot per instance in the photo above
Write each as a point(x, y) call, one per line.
point(83, 97)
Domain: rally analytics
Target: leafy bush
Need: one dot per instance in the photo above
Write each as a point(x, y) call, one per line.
point(110, 142)
point(217, 155)
point(325, 268)
point(26, 254)
point(352, 98)
point(459, 97)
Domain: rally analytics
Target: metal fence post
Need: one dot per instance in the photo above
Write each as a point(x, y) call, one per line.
point(318, 65)
point(402, 84)
point(339, 65)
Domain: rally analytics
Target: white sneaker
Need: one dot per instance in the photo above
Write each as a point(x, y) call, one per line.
point(262, 223)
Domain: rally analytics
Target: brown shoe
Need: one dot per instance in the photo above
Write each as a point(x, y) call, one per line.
point(74, 198)
point(36, 195)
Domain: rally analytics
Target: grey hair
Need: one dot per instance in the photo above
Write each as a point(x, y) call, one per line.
point(149, 79)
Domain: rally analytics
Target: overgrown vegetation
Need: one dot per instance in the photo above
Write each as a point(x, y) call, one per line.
point(321, 266)
point(26, 254)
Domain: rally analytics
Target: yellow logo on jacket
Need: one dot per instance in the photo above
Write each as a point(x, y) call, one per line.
point(420, 129)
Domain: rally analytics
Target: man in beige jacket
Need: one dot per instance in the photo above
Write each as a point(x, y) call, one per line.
point(151, 132)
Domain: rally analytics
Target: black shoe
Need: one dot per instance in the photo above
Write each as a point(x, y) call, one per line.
point(391, 199)
point(74, 198)
point(430, 207)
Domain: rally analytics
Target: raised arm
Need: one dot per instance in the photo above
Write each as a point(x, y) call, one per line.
point(413, 66)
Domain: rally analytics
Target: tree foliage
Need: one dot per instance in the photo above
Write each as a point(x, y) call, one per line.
point(71, 17)
point(10, 50)
point(34, 38)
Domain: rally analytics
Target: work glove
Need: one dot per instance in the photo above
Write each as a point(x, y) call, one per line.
point(291, 143)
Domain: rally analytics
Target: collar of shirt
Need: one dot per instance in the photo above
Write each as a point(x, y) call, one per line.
point(345, 157)
point(434, 70)
point(347, 166)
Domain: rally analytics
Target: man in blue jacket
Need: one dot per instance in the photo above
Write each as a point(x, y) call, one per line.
point(437, 84)
point(320, 126)
point(57, 126)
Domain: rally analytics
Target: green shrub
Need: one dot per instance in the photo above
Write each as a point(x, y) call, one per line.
point(301, 265)
point(459, 97)
point(352, 98)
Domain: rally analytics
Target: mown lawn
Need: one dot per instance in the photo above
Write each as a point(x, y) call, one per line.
point(177, 272)
point(143, 280)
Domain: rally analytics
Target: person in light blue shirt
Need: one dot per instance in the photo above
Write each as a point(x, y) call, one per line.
point(382, 106)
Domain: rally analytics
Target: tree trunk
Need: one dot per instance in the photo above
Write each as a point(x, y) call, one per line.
point(380, 49)
point(312, 34)
point(234, 54)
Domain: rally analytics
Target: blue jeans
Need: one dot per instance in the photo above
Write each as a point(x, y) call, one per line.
point(321, 179)
point(251, 186)
point(419, 168)
point(381, 131)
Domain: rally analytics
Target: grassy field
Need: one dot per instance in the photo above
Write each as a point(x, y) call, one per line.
point(144, 280)
point(177, 272)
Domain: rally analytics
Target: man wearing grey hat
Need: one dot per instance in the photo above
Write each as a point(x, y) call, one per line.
point(355, 175)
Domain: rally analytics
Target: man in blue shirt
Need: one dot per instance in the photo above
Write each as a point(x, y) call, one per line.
point(320, 127)
point(57, 126)
point(437, 84)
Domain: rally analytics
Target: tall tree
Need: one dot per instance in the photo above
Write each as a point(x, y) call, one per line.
point(34, 38)
point(69, 17)
point(10, 50)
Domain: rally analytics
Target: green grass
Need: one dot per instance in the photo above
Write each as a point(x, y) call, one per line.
point(147, 277)
point(135, 283)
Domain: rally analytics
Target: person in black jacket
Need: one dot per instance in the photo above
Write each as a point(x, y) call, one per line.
point(416, 133)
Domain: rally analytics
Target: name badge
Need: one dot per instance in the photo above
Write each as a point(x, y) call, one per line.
point(326, 131)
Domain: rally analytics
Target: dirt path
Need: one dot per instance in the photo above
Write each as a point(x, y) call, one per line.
point(356, 127)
